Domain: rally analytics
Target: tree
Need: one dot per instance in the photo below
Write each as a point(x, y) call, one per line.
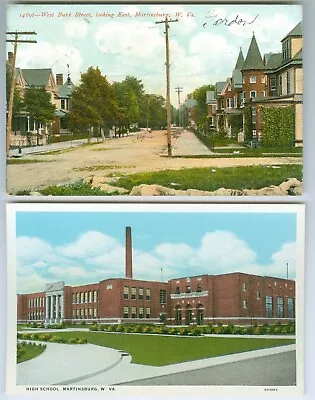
point(93, 103)
point(153, 111)
point(37, 103)
point(201, 108)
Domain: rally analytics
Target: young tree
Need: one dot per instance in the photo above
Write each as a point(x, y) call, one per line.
point(37, 103)
point(128, 106)
point(93, 103)
point(199, 95)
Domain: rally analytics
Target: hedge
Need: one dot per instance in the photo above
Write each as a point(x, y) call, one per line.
point(278, 126)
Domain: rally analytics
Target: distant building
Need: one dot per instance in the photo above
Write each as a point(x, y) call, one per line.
point(236, 298)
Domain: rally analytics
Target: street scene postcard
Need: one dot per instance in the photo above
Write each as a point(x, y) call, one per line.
point(113, 298)
point(154, 99)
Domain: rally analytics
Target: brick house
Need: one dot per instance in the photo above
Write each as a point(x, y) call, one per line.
point(237, 298)
point(284, 78)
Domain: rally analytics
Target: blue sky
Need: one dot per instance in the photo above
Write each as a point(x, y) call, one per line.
point(201, 51)
point(83, 247)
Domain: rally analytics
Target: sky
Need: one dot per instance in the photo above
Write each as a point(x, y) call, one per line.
point(86, 247)
point(121, 42)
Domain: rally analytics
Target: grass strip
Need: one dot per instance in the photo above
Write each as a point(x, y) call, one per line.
point(210, 179)
point(165, 350)
point(27, 351)
point(11, 161)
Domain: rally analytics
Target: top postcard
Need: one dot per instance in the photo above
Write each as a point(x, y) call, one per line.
point(154, 99)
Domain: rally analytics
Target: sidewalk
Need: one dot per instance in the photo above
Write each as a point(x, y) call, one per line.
point(188, 144)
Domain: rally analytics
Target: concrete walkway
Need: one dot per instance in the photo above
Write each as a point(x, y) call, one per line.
point(86, 364)
point(188, 144)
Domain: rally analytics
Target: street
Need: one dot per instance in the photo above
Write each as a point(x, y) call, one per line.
point(273, 370)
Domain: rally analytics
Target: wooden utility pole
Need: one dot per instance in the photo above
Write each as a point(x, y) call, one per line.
point(168, 101)
point(178, 91)
point(15, 40)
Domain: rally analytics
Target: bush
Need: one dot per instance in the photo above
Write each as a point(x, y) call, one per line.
point(94, 327)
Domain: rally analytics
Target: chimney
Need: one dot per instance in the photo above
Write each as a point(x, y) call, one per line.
point(128, 253)
point(10, 57)
point(59, 79)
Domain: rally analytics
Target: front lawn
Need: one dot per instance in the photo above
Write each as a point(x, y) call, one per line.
point(210, 179)
point(27, 351)
point(164, 350)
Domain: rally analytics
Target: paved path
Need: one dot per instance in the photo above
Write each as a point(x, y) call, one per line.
point(188, 144)
point(66, 364)
point(96, 365)
point(273, 370)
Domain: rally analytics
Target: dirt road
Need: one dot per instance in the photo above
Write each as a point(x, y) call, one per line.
point(127, 155)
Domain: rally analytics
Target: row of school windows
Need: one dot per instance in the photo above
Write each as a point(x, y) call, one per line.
point(269, 304)
point(36, 302)
point(137, 312)
point(84, 313)
point(36, 315)
point(188, 289)
point(84, 297)
point(139, 293)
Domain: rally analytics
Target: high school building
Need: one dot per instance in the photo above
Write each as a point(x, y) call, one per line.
point(228, 298)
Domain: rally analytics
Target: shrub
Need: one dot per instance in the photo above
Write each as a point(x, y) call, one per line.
point(94, 327)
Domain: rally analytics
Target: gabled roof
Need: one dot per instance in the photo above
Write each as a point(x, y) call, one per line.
point(36, 77)
point(296, 31)
point(253, 59)
point(274, 61)
point(237, 79)
point(218, 88)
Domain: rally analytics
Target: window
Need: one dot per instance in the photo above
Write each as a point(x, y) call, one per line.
point(95, 313)
point(245, 304)
point(90, 297)
point(163, 296)
point(252, 94)
point(63, 104)
point(126, 312)
point(82, 297)
point(126, 292)
point(148, 294)
point(269, 309)
point(263, 93)
point(133, 293)
point(73, 298)
point(77, 298)
point(286, 50)
point(243, 98)
point(280, 307)
point(94, 296)
point(290, 307)
point(263, 79)
point(81, 313)
point(290, 81)
point(73, 313)
point(148, 312)
point(141, 312)
point(78, 313)
point(222, 103)
point(244, 287)
point(85, 312)
point(199, 288)
point(133, 312)
point(252, 79)
point(141, 293)
point(86, 297)
point(90, 313)
point(188, 289)
point(243, 79)
point(177, 290)
point(258, 295)
point(273, 85)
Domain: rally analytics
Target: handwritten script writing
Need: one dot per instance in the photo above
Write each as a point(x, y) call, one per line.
point(228, 22)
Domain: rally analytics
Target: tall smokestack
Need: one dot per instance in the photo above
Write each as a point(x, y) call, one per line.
point(128, 253)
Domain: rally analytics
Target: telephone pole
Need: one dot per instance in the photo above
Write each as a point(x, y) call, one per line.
point(15, 40)
point(178, 91)
point(168, 101)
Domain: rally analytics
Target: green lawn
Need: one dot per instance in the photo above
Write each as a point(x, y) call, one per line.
point(25, 161)
point(27, 351)
point(164, 350)
point(210, 179)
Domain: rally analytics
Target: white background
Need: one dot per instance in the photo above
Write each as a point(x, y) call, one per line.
point(308, 198)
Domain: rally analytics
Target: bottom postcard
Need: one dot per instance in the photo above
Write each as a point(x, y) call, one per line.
point(112, 298)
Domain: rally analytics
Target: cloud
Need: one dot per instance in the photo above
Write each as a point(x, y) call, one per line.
point(94, 256)
point(47, 55)
point(77, 29)
point(87, 245)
